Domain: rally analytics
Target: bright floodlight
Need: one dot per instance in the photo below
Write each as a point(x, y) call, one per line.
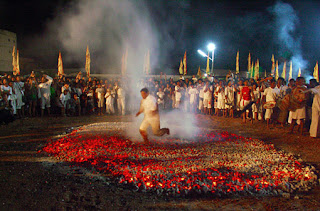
point(211, 47)
point(205, 75)
point(202, 53)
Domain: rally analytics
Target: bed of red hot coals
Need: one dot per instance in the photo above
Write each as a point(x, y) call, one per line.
point(212, 163)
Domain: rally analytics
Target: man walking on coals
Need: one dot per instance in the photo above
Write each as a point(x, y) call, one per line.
point(149, 107)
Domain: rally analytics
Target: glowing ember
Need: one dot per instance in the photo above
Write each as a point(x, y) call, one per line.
point(218, 163)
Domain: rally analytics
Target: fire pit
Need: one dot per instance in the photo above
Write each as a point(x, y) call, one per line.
point(208, 163)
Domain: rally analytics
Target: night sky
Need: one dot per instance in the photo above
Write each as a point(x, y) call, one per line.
point(231, 25)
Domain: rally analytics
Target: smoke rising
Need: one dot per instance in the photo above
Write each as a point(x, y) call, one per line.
point(286, 21)
point(108, 28)
point(182, 125)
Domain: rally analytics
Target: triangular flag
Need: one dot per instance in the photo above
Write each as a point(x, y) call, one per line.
point(277, 70)
point(199, 72)
point(14, 61)
point(60, 65)
point(299, 74)
point(124, 63)
point(273, 65)
point(17, 64)
point(181, 68)
point(290, 71)
point(316, 72)
point(185, 63)
point(88, 61)
point(237, 63)
point(256, 70)
point(265, 73)
point(208, 65)
point(249, 63)
point(283, 75)
point(147, 63)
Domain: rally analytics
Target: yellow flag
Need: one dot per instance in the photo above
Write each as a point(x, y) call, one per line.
point(290, 71)
point(208, 65)
point(199, 72)
point(185, 63)
point(277, 70)
point(265, 73)
point(316, 72)
point(60, 65)
point(249, 63)
point(88, 61)
point(17, 62)
point(147, 63)
point(124, 63)
point(256, 70)
point(299, 74)
point(14, 61)
point(181, 68)
point(273, 65)
point(237, 63)
point(283, 75)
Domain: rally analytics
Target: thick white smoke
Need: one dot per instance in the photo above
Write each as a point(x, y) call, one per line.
point(108, 28)
point(182, 125)
point(286, 20)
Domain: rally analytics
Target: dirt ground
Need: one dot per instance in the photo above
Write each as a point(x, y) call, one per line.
point(33, 181)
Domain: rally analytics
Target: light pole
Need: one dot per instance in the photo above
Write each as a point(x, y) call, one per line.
point(204, 55)
point(212, 47)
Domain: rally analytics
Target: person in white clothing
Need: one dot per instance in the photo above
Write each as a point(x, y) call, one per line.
point(238, 88)
point(13, 99)
point(121, 100)
point(194, 79)
point(149, 107)
point(193, 92)
point(282, 87)
point(100, 98)
point(207, 98)
point(229, 95)
point(18, 87)
point(270, 95)
point(64, 97)
point(178, 94)
point(110, 95)
point(300, 112)
point(44, 93)
point(221, 98)
point(315, 119)
point(201, 95)
point(6, 90)
point(160, 95)
point(68, 88)
point(256, 97)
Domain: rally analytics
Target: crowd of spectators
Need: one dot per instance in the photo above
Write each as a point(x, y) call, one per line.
point(266, 99)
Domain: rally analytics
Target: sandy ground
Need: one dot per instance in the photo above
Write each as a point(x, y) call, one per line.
point(34, 181)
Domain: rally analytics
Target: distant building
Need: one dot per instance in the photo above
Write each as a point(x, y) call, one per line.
point(7, 41)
